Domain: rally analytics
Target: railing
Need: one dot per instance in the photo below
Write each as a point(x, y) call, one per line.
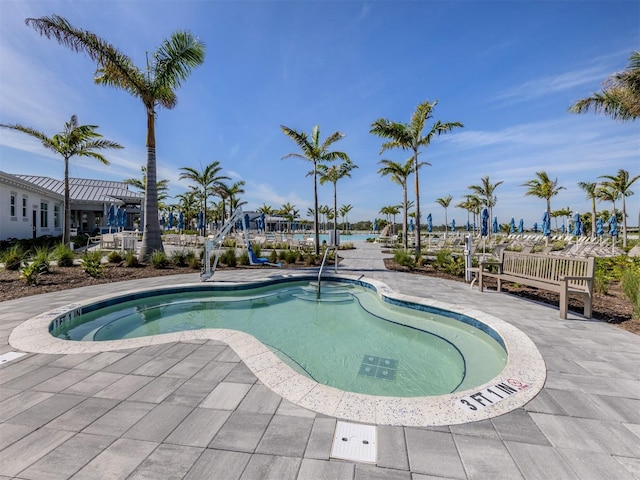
point(324, 259)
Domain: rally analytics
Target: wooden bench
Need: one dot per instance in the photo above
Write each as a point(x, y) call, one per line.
point(564, 275)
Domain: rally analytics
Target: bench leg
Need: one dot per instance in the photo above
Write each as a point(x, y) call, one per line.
point(480, 283)
point(564, 299)
point(499, 285)
point(587, 306)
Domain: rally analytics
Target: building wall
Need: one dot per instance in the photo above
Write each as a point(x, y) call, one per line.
point(19, 206)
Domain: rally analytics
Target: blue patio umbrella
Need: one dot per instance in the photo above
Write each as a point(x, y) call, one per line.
point(468, 226)
point(535, 227)
point(521, 226)
point(111, 216)
point(411, 226)
point(546, 224)
point(429, 223)
point(200, 220)
point(599, 227)
point(495, 225)
point(562, 228)
point(485, 222)
point(613, 226)
point(246, 221)
point(181, 221)
point(375, 225)
point(119, 215)
point(262, 223)
point(577, 225)
point(453, 225)
point(170, 219)
point(512, 225)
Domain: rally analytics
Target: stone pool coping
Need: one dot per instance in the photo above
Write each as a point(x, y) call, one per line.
point(519, 382)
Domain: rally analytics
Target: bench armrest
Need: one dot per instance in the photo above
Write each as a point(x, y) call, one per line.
point(574, 277)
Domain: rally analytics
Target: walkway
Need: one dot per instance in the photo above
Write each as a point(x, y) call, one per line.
point(193, 410)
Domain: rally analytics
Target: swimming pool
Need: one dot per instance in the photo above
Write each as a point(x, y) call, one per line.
point(347, 337)
point(517, 383)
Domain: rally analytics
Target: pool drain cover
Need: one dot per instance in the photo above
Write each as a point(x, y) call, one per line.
point(354, 442)
point(379, 367)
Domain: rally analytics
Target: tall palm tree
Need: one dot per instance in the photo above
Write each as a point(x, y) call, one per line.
point(317, 152)
point(445, 202)
point(332, 174)
point(206, 181)
point(73, 141)
point(231, 193)
point(399, 173)
point(473, 205)
point(543, 187)
point(154, 85)
point(287, 211)
point(621, 184)
point(590, 188)
point(486, 192)
point(162, 186)
point(620, 95)
point(188, 203)
point(408, 136)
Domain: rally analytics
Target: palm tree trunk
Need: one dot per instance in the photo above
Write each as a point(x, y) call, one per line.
point(624, 223)
point(316, 231)
point(66, 235)
point(417, 188)
point(151, 234)
point(593, 217)
point(405, 216)
point(335, 215)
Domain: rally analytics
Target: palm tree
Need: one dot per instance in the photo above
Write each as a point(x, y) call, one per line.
point(332, 174)
point(408, 136)
point(473, 205)
point(620, 95)
point(162, 186)
point(486, 192)
point(590, 189)
point(399, 174)
point(543, 187)
point(344, 212)
point(188, 203)
point(154, 85)
point(206, 180)
point(316, 152)
point(445, 202)
point(73, 141)
point(620, 184)
point(231, 193)
point(287, 211)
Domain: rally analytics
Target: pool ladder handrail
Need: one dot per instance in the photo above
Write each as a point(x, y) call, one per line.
point(324, 259)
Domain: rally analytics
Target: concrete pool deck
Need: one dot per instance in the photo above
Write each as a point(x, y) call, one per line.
point(192, 409)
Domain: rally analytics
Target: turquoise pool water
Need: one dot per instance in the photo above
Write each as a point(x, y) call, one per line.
point(347, 338)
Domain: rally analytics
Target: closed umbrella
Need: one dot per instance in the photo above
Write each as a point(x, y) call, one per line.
point(468, 226)
point(600, 227)
point(485, 223)
point(535, 227)
point(512, 225)
point(453, 225)
point(181, 221)
point(613, 226)
point(577, 225)
point(375, 225)
point(495, 225)
point(122, 217)
point(546, 224)
point(200, 220)
point(262, 223)
point(521, 226)
point(562, 228)
point(411, 226)
point(170, 219)
point(429, 223)
point(111, 217)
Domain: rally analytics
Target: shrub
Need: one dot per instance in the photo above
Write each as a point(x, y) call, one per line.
point(229, 257)
point(42, 258)
point(631, 288)
point(244, 258)
point(159, 259)
point(179, 258)
point(448, 263)
point(63, 255)
point(193, 260)
point(131, 261)
point(257, 250)
point(114, 257)
point(31, 272)
point(404, 258)
point(310, 259)
point(291, 256)
point(92, 263)
point(273, 258)
point(13, 257)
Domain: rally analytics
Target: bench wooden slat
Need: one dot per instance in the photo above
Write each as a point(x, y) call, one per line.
point(564, 275)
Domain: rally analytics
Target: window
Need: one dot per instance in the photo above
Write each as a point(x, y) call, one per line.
point(24, 206)
point(44, 214)
point(13, 204)
point(56, 216)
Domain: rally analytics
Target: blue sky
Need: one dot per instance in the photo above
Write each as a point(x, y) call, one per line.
point(507, 70)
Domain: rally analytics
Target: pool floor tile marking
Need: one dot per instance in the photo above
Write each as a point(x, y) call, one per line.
point(379, 367)
point(355, 442)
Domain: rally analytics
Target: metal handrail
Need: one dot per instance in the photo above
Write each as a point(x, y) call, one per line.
point(324, 259)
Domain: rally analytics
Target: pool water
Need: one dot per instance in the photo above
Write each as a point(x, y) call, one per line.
point(347, 338)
